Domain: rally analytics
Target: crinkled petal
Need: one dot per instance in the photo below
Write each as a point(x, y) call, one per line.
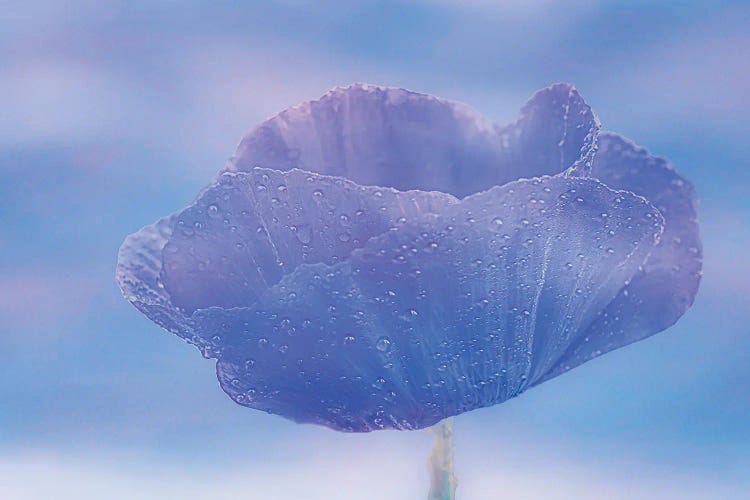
point(139, 263)
point(663, 290)
point(405, 140)
point(247, 230)
point(441, 315)
point(139, 275)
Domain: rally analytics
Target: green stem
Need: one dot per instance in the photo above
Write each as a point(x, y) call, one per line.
point(442, 480)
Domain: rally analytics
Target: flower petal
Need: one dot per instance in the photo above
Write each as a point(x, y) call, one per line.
point(246, 231)
point(393, 137)
point(441, 315)
point(139, 263)
point(139, 269)
point(661, 292)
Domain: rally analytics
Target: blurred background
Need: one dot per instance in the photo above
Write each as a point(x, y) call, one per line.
point(113, 114)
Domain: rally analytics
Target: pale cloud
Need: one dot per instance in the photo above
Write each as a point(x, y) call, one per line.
point(33, 306)
point(697, 78)
point(513, 9)
point(344, 469)
point(60, 102)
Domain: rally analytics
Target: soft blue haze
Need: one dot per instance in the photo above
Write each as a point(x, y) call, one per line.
point(115, 114)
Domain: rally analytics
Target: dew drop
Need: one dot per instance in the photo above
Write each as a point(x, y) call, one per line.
point(383, 344)
point(303, 233)
point(213, 211)
point(430, 247)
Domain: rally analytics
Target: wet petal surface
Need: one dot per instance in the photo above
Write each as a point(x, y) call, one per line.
point(393, 137)
point(442, 315)
point(661, 292)
point(250, 228)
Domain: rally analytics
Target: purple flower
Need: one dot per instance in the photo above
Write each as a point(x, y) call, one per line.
point(385, 259)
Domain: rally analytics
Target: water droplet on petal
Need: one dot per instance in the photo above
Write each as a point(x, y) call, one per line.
point(303, 233)
point(383, 344)
point(430, 247)
point(213, 210)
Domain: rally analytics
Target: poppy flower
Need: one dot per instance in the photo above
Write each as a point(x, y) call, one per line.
point(380, 258)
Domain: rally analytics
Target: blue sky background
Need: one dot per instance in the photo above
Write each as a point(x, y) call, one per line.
point(115, 113)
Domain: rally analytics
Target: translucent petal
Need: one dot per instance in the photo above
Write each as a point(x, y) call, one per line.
point(139, 275)
point(661, 292)
point(393, 137)
point(246, 231)
point(139, 263)
point(441, 315)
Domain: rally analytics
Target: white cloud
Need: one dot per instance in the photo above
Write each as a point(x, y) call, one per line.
point(346, 467)
point(32, 306)
point(60, 102)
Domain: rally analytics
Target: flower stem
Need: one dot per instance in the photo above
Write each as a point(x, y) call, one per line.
point(442, 481)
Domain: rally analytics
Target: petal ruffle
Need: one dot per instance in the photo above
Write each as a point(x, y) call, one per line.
point(392, 137)
point(663, 290)
point(247, 230)
point(139, 275)
point(442, 315)
point(244, 232)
